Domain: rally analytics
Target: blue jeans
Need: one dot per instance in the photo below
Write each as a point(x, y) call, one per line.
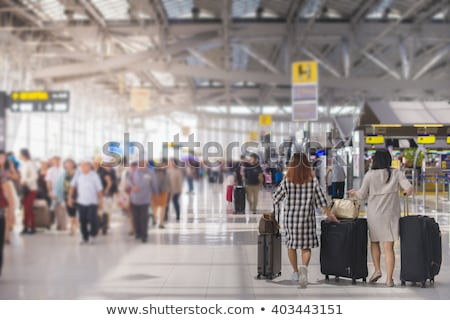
point(190, 182)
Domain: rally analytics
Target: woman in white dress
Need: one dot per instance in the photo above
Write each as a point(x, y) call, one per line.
point(381, 186)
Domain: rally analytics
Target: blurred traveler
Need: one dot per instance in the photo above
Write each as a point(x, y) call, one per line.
point(254, 179)
point(190, 176)
point(61, 191)
point(124, 194)
point(109, 181)
point(329, 182)
point(160, 193)
point(338, 179)
point(5, 173)
point(6, 203)
point(299, 216)
point(57, 210)
point(141, 182)
point(176, 186)
point(28, 179)
point(381, 186)
point(13, 171)
point(43, 192)
point(89, 199)
point(238, 170)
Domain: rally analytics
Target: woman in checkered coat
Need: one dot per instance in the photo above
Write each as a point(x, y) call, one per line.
point(302, 193)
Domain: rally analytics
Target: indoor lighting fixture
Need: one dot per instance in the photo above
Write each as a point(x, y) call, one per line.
point(428, 125)
point(387, 125)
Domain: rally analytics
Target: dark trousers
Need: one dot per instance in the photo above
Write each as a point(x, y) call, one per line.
point(27, 202)
point(140, 219)
point(88, 221)
point(2, 236)
point(176, 204)
point(338, 189)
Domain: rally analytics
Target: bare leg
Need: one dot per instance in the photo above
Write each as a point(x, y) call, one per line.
point(162, 215)
point(390, 260)
point(292, 254)
point(376, 255)
point(306, 257)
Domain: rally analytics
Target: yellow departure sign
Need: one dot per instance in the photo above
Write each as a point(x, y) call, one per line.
point(375, 140)
point(448, 140)
point(426, 139)
point(265, 120)
point(30, 96)
point(304, 72)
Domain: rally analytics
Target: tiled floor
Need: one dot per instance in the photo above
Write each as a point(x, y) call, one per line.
point(210, 254)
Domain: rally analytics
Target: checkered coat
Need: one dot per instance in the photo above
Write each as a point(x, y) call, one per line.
point(299, 212)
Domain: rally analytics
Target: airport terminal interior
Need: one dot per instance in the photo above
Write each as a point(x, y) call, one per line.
point(142, 141)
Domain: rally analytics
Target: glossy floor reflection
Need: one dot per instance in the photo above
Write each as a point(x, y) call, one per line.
point(210, 254)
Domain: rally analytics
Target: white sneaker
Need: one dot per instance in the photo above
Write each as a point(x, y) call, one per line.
point(303, 278)
point(295, 277)
point(92, 241)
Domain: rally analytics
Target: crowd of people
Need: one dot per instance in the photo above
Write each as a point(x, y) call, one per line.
point(68, 196)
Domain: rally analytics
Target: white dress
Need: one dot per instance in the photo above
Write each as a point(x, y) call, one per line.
point(383, 211)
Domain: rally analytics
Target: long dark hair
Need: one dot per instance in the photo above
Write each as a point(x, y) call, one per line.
point(382, 160)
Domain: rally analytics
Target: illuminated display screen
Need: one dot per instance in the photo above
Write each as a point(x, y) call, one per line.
point(426, 139)
point(448, 140)
point(40, 101)
point(375, 140)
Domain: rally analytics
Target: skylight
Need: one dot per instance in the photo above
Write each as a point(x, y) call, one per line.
point(113, 9)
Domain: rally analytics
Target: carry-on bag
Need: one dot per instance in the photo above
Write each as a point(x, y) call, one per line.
point(229, 196)
point(239, 200)
point(269, 251)
point(346, 208)
point(61, 216)
point(420, 248)
point(343, 249)
point(41, 214)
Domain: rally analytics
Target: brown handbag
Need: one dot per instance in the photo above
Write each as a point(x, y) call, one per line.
point(268, 224)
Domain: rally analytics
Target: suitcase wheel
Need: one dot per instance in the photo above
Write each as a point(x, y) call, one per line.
point(432, 282)
point(354, 282)
point(403, 283)
point(423, 284)
point(327, 278)
point(336, 279)
point(364, 280)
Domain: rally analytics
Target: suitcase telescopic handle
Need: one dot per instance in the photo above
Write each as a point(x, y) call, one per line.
point(406, 204)
point(276, 209)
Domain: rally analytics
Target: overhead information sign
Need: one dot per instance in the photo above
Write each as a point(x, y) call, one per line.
point(305, 92)
point(39, 101)
point(426, 139)
point(140, 99)
point(265, 120)
point(375, 140)
point(448, 140)
point(304, 72)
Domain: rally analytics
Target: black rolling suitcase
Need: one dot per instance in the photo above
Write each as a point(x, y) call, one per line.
point(239, 200)
point(343, 249)
point(269, 254)
point(421, 248)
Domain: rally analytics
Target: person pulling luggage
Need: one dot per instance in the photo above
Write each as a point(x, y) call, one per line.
point(299, 216)
point(381, 186)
